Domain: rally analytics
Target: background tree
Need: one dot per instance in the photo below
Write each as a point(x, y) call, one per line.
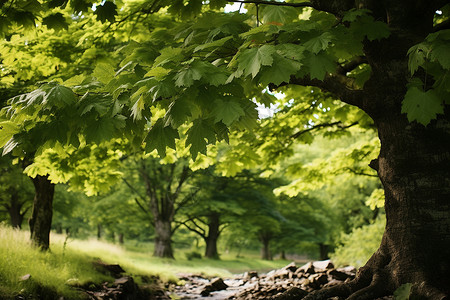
point(16, 192)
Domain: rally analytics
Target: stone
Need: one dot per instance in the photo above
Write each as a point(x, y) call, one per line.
point(25, 277)
point(215, 285)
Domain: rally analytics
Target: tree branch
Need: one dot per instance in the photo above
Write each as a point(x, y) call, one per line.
point(335, 84)
point(303, 4)
point(340, 124)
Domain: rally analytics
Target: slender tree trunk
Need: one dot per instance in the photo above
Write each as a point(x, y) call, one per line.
point(41, 216)
point(265, 250)
point(163, 239)
point(213, 236)
point(283, 255)
point(99, 231)
point(14, 210)
point(323, 249)
point(121, 238)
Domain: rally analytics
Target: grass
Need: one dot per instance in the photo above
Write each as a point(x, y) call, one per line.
point(72, 261)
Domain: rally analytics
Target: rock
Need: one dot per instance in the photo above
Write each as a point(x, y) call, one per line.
point(338, 275)
point(291, 267)
point(292, 293)
point(215, 285)
point(323, 264)
point(25, 277)
point(307, 268)
point(249, 275)
point(113, 270)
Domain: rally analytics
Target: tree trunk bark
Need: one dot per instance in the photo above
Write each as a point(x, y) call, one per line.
point(163, 239)
point(414, 167)
point(14, 210)
point(265, 250)
point(121, 238)
point(323, 249)
point(213, 236)
point(99, 231)
point(41, 216)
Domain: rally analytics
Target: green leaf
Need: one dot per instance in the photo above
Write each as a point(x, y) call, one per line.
point(198, 135)
point(251, 60)
point(319, 65)
point(158, 72)
point(442, 54)
point(9, 146)
point(278, 14)
point(106, 12)
point(353, 14)
point(7, 130)
point(417, 55)
point(403, 292)
point(104, 72)
point(318, 43)
point(215, 44)
point(187, 76)
point(159, 137)
point(59, 96)
point(421, 106)
point(177, 113)
point(169, 55)
point(55, 21)
point(24, 18)
point(291, 51)
point(280, 71)
point(227, 111)
point(368, 27)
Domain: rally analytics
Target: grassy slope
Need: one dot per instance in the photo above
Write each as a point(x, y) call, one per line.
point(74, 262)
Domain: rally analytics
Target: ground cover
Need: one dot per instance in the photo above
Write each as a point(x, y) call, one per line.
point(72, 260)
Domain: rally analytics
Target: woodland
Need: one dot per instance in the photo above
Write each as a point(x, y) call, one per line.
point(319, 128)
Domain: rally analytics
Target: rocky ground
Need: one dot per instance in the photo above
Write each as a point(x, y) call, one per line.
point(297, 281)
point(290, 282)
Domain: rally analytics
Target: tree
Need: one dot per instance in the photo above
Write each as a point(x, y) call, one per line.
point(215, 205)
point(389, 59)
point(15, 193)
point(160, 191)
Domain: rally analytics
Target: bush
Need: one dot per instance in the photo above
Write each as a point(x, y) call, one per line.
point(359, 245)
point(193, 254)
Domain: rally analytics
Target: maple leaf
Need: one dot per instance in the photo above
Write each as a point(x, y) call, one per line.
point(227, 111)
point(7, 130)
point(106, 12)
point(280, 71)
point(421, 106)
point(177, 113)
point(197, 136)
point(442, 54)
point(104, 72)
point(280, 14)
point(55, 21)
point(159, 137)
point(59, 96)
point(251, 60)
point(319, 65)
point(318, 43)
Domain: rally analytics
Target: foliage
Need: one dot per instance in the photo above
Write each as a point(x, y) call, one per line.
point(353, 251)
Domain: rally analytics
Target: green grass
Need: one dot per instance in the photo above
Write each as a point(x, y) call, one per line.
point(51, 271)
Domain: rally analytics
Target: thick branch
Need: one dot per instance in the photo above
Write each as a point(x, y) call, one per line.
point(335, 84)
point(303, 4)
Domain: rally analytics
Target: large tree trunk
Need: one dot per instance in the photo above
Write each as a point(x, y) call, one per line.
point(213, 236)
point(163, 239)
point(41, 216)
